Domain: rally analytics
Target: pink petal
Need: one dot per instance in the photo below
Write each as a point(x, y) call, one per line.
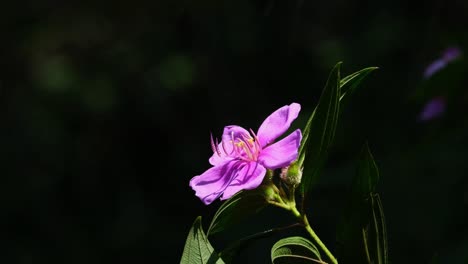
point(277, 123)
point(225, 147)
point(233, 132)
point(281, 153)
point(249, 177)
point(211, 184)
point(219, 158)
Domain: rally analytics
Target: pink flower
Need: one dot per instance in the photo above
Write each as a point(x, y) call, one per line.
point(241, 159)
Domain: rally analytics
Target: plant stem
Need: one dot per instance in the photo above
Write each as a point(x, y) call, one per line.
point(288, 202)
point(305, 221)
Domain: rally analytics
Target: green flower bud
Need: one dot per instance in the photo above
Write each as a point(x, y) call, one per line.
point(269, 191)
point(292, 174)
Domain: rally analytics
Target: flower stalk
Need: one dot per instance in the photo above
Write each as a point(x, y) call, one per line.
point(303, 219)
point(289, 204)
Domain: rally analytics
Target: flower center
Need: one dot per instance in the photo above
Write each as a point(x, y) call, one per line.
point(246, 147)
point(243, 146)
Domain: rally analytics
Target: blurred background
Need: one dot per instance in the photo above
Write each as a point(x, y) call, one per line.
point(107, 108)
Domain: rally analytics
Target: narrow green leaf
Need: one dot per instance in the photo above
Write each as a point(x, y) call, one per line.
point(197, 249)
point(374, 234)
point(235, 209)
point(321, 125)
point(367, 173)
point(362, 236)
point(379, 229)
point(295, 249)
point(349, 83)
point(323, 121)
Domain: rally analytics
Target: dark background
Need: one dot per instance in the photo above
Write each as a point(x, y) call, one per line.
point(106, 111)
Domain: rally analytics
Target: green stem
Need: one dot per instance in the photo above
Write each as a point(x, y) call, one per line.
point(281, 205)
point(305, 221)
point(288, 202)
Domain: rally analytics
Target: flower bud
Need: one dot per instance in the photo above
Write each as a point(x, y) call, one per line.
point(292, 174)
point(268, 191)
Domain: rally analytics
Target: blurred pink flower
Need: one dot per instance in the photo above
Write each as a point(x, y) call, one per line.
point(450, 54)
point(433, 109)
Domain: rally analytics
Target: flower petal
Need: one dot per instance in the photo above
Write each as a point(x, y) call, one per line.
point(277, 123)
point(211, 184)
point(234, 132)
point(219, 158)
point(250, 176)
point(281, 153)
point(226, 151)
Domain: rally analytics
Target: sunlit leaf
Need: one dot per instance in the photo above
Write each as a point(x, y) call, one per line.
point(198, 249)
point(295, 250)
point(321, 125)
point(349, 83)
point(377, 235)
point(323, 121)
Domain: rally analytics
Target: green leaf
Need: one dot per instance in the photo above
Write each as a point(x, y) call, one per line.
point(229, 252)
point(367, 173)
point(295, 250)
point(323, 121)
point(375, 233)
point(198, 249)
point(349, 83)
point(321, 125)
point(235, 209)
point(362, 236)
